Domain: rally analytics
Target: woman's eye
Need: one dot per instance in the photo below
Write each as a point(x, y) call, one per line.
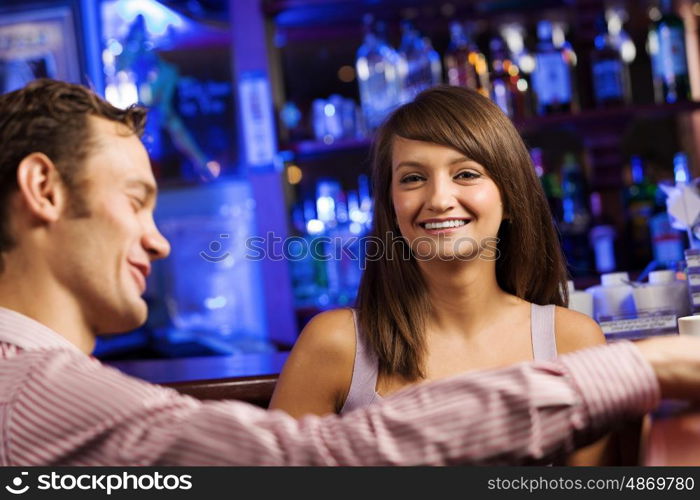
point(411, 178)
point(467, 175)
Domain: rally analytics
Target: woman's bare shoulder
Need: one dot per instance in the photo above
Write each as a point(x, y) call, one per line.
point(575, 330)
point(331, 332)
point(317, 375)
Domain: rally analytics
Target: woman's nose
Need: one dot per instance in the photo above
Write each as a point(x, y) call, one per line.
point(441, 197)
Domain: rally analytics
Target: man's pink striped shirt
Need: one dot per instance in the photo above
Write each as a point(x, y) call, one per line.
point(59, 406)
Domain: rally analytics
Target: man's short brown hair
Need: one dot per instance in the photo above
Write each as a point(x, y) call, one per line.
point(51, 117)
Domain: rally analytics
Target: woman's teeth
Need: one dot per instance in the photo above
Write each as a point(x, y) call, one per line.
point(445, 224)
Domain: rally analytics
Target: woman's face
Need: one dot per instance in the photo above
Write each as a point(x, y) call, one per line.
point(446, 205)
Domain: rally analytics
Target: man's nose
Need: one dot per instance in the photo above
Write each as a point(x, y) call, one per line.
point(157, 246)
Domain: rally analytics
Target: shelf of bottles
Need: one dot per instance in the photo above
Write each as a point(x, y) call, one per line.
point(536, 85)
point(326, 255)
point(533, 86)
point(592, 241)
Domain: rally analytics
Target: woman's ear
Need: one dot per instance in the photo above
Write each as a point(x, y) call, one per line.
point(40, 187)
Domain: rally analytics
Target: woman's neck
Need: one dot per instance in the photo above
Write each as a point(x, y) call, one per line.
point(463, 296)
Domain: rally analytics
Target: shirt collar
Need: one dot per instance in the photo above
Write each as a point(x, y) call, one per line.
point(28, 334)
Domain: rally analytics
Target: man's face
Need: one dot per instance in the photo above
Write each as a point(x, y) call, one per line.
point(103, 259)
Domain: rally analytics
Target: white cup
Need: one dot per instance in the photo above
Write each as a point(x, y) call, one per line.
point(581, 302)
point(689, 325)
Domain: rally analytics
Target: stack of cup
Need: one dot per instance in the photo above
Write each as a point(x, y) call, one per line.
point(613, 298)
point(663, 293)
point(692, 259)
point(579, 300)
point(689, 325)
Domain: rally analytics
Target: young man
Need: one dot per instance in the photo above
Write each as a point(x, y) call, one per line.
point(77, 239)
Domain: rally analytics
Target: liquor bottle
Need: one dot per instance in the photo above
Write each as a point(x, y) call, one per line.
point(573, 187)
point(301, 264)
point(378, 75)
point(681, 169)
point(514, 36)
point(344, 224)
point(575, 217)
point(551, 184)
point(329, 207)
point(668, 243)
point(504, 78)
point(602, 237)
point(668, 240)
point(551, 78)
point(640, 200)
point(666, 47)
point(417, 72)
point(435, 61)
point(347, 249)
point(537, 161)
point(615, 17)
point(466, 65)
point(360, 207)
point(611, 84)
point(683, 178)
point(304, 253)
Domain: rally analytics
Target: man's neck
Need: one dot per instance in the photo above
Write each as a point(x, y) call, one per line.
point(43, 302)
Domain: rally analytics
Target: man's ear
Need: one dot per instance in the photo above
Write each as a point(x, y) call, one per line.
point(40, 186)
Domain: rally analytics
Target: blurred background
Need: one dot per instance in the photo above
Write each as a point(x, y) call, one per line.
point(262, 114)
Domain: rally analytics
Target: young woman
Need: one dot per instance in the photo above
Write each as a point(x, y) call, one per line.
point(471, 275)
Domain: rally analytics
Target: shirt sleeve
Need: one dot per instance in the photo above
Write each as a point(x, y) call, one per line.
point(71, 410)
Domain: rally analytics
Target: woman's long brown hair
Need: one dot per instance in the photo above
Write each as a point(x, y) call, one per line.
point(392, 299)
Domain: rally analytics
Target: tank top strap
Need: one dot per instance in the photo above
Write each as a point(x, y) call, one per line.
point(365, 370)
point(544, 344)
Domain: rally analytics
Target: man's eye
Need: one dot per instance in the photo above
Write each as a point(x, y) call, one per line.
point(138, 203)
point(411, 178)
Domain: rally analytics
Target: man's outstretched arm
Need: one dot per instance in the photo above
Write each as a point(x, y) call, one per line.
point(69, 409)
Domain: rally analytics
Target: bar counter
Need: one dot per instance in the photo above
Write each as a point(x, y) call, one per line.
point(671, 436)
point(246, 377)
